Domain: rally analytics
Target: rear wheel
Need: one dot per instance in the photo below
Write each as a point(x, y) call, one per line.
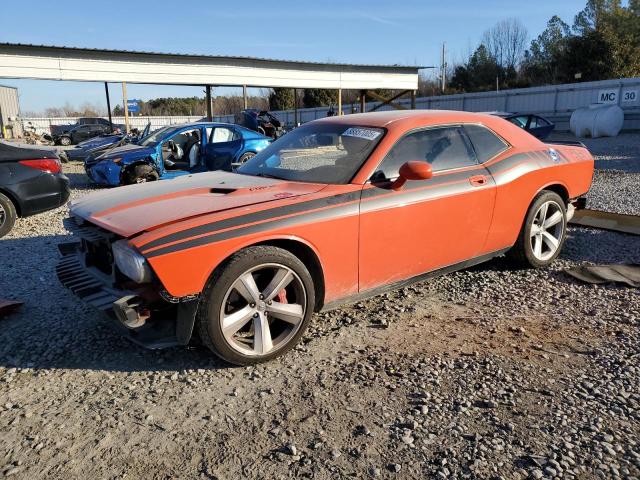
point(256, 306)
point(543, 232)
point(141, 174)
point(7, 215)
point(243, 159)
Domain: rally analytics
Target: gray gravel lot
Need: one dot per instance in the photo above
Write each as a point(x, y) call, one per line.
point(616, 181)
point(486, 373)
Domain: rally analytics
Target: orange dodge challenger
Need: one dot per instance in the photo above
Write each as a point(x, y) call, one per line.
point(336, 210)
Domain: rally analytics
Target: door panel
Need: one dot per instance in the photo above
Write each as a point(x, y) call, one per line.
point(221, 148)
point(427, 225)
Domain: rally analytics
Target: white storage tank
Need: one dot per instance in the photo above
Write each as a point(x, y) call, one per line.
point(597, 120)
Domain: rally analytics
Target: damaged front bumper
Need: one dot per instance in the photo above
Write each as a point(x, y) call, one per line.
point(153, 323)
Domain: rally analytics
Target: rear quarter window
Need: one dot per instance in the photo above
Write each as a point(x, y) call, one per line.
point(486, 143)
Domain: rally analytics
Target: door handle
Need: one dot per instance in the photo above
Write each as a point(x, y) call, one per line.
point(478, 180)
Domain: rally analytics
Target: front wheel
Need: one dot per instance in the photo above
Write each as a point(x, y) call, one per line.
point(256, 306)
point(141, 174)
point(66, 141)
point(7, 215)
point(543, 232)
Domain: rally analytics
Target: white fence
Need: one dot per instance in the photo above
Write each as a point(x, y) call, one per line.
point(556, 102)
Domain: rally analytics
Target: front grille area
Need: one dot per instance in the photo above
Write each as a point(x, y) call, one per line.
point(95, 246)
point(74, 275)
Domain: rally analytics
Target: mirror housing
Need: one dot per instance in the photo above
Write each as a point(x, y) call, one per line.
point(413, 170)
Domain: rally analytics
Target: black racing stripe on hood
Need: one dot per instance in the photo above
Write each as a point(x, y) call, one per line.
point(291, 210)
point(252, 218)
point(339, 210)
point(208, 230)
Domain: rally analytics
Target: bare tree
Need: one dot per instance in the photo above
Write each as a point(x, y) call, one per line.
point(506, 42)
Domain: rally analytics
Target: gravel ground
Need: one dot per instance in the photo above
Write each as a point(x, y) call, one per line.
point(486, 373)
point(616, 180)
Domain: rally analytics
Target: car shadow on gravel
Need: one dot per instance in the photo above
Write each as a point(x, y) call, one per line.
point(55, 330)
point(80, 181)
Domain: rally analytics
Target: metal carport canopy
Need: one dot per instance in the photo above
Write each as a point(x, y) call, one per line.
point(84, 64)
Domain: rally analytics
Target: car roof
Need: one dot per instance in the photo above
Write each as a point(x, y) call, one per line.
point(200, 124)
point(405, 118)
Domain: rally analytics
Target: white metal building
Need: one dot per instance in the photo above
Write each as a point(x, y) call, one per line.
point(9, 111)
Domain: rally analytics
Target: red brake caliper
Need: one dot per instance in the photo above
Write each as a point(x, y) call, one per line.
point(282, 296)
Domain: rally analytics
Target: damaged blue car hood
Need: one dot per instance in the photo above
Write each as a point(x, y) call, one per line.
point(128, 152)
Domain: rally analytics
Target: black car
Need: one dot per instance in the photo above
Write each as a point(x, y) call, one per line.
point(57, 130)
point(536, 125)
point(80, 133)
point(31, 181)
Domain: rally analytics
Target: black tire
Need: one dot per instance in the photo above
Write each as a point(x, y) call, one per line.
point(243, 159)
point(209, 312)
point(8, 215)
point(141, 174)
point(65, 141)
point(522, 253)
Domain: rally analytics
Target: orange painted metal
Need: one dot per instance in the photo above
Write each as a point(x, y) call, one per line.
point(364, 236)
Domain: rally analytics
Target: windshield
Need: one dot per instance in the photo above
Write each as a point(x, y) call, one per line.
point(316, 152)
point(156, 136)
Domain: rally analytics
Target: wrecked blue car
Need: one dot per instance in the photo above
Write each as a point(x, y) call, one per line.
point(99, 144)
point(176, 150)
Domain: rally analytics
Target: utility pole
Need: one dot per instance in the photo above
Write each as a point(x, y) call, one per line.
point(106, 91)
point(126, 106)
point(207, 94)
point(443, 68)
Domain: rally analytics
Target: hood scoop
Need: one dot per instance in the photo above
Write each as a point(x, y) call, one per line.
point(222, 191)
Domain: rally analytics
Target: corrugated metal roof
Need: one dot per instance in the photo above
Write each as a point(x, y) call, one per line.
point(216, 57)
point(8, 86)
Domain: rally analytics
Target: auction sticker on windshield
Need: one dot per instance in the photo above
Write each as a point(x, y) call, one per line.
point(365, 133)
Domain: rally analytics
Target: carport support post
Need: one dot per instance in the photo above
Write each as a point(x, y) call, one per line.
point(295, 107)
point(207, 90)
point(339, 101)
point(363, 101)
point(106, 91)
point(413, 99)
point(245, 100)
point(126, 106)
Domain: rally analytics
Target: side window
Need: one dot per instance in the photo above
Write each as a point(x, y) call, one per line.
point(443, 148)
point(486, 143)
point(520, 121)
point(538, 122)
point(223, 134)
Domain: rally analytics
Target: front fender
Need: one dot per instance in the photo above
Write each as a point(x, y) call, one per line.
point(181, 276)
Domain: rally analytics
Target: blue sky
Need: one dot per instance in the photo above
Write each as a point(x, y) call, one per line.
point(408, 32)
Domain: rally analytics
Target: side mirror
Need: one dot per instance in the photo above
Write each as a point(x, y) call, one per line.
point(413, 170)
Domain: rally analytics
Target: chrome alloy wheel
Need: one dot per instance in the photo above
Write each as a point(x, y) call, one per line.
point(3, 215)
point(547, 230)
point(263, 309)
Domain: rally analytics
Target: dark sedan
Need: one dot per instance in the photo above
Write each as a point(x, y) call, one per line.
point(536, 125)
point(80, 133)
point(31, 181)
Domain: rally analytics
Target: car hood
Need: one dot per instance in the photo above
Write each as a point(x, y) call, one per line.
point(129, 151)
point(99, 141)
point(132, 209)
